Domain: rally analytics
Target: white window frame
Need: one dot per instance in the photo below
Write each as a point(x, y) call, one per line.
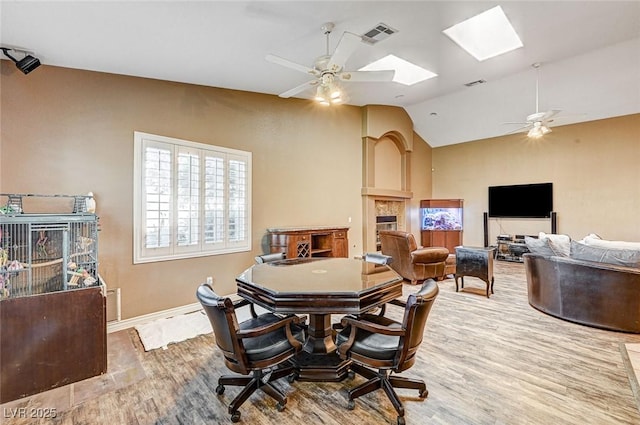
point(200, 247)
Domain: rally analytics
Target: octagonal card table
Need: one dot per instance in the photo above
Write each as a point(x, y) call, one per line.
point(319, 288)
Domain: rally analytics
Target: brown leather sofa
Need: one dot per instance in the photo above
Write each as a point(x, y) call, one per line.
point(595, 294)
point(413, 263)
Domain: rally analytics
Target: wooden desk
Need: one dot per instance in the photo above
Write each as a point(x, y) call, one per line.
point(319, 288)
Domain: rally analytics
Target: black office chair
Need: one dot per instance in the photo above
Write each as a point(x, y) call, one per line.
point(267, 258)
point(257, 346)
point(375, 341)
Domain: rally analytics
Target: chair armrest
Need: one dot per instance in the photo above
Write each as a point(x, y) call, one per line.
point(265, 329)
point(242, 303)
point(285, 322)
point(364, 325)
point(383, 307)
point(370, 326)
point(427, 255)
point(399, 303)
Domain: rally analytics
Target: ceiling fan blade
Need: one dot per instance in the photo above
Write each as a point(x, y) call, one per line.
point(348, 44)
point(298, 89)
point(518, 130)
point(365, 76)
point(525, 123)
point(549, 114)
point(292, 65)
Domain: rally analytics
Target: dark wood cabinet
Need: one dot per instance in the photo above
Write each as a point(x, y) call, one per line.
point(475, 262)
point(303, 242)
point(50, 340)
point(441, 223)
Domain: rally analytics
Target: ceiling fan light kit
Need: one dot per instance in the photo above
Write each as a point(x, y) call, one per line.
point(328, 93)
point(538, 122)
point(538, 130)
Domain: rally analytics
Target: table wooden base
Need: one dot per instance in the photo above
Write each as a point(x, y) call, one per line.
point(319, 337)
point(320, 367)
point(318, 360)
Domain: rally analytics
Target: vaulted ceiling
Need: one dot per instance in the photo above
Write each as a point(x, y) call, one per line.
point(589, 51)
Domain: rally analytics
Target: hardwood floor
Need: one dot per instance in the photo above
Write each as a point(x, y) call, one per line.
point(485, 361)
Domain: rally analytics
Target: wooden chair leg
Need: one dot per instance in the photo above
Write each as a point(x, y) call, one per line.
point(234, 380)
point(365, 388)
point(402, 382)
point(274, 393)
point(363, 371)
point(251, 384)
point(393, 397)
point(243, 396)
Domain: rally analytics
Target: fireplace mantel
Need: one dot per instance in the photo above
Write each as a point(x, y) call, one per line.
point(386, 193)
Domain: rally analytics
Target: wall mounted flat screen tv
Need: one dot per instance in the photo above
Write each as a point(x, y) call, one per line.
point(521, 201)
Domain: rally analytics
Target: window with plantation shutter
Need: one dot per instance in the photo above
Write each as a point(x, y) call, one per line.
point(190, 199)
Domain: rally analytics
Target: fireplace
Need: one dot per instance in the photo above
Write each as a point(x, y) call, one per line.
point(385, 222)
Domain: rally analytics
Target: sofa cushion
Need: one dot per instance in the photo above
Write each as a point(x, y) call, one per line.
point(622, 257)
point(539, 246)
point(560, 244)
point(595, 240)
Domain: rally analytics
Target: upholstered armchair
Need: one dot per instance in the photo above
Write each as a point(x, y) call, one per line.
point(410, 261)
point(413, 263)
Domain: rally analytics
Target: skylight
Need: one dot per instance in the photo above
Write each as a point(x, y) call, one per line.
point(406, 72)
point(486, 35)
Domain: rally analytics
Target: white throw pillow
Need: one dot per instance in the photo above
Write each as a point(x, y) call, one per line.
point(594, 240)
point(560, 244)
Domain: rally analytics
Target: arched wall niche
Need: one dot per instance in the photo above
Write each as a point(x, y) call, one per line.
point(388, 157)
point(385, 195)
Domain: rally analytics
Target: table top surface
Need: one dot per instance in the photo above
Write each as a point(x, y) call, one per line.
point(476, 248)
point(318, 276)
point(319, 286)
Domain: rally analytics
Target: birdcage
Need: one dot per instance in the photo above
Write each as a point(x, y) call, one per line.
point(41, 253)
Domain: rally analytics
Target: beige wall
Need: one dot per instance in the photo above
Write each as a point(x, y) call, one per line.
point(421, 180)
point(69, 131)
point(594, 168)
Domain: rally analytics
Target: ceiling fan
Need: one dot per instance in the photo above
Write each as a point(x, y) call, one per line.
point(538, 122)
point(328, 70)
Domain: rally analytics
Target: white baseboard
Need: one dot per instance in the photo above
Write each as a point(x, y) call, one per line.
point(145, 318)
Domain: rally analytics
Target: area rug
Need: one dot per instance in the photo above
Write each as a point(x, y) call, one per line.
point(162, 332)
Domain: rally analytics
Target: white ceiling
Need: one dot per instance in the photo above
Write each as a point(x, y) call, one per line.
point(589, 50)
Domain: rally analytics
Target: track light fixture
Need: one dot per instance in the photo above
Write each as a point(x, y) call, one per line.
point(27, 64)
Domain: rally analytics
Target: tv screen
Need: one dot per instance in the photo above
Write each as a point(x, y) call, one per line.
point(521, 201)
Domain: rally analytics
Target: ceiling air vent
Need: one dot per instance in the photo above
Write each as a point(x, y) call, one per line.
point(475, 83)
point(378, 33)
